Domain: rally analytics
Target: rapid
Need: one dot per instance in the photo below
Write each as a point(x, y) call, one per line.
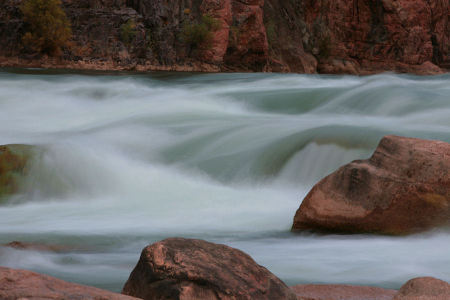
point(129, 159)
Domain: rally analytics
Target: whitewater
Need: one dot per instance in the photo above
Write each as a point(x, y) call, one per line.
point(129, 159)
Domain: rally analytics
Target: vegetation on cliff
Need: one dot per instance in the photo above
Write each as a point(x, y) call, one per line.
point(128, 32)
point(49, 28)
point(199, 36)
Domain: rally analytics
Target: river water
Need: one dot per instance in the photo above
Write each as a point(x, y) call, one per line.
point(130, 159)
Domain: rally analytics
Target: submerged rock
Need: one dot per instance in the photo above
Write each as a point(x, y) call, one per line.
point(36, 247)
point(13, 167)
point(403, 188)
point(180, 268)
point(424, 288)
point(341, 292)
point(21, 284)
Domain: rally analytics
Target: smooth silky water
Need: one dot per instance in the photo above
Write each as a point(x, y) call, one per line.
point(129, 159)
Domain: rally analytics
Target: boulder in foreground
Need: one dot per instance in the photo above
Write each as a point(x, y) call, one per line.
point(21, 284)
point(403, 188)
point(184, 269)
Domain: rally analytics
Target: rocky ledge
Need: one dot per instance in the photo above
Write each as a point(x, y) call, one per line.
point(403, 188)
point(340, 37)
point(27, 285)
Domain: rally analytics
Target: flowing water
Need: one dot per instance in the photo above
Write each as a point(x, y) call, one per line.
point(129, 159)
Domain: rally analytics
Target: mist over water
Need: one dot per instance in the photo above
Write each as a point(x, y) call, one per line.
point(125, 160)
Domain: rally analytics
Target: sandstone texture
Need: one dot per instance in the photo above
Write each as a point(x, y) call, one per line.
point(21, 284)
point(403, 188)
point(365, 36)
point(341, 292)
point(305, 36)
point(179, 268)
point(13, 167)
point(424, 288)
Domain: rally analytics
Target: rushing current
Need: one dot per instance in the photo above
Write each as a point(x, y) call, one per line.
point(130, 159)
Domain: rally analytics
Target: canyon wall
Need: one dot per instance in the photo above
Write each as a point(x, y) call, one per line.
point(304, 36)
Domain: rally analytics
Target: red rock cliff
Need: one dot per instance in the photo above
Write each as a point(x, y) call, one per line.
point(306, 36)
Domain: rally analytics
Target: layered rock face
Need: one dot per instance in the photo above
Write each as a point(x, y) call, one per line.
point(193, 269)
point(373, 35)
point(403, 188)
point(356, 37)
point(21, 284)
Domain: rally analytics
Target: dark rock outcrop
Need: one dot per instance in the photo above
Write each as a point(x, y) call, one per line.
point(21, 284)
point(13, 167)
point(403, 188)
point(179, 268)
point(356, 37)
point(424, 288)
point(341, 292)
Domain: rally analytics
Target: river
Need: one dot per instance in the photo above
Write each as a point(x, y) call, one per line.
point(130, 159)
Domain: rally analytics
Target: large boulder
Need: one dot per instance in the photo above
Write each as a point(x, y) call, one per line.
point(424, 288)
point(341, 292)
point(403, 188)
point(21, 284)
point(184, 269)
point(13, 167)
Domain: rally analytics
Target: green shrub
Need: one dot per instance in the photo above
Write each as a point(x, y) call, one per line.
point(128, 32)
point(211, 23)
point(199, 36)
point(49, 27)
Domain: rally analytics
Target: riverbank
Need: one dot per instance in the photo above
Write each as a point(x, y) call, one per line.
point(109, 65)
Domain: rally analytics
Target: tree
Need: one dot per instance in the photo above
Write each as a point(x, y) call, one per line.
point(49, 27)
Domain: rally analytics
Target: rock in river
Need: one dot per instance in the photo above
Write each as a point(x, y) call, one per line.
point(403, 188)
point(13, 163)
point(184, 269)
